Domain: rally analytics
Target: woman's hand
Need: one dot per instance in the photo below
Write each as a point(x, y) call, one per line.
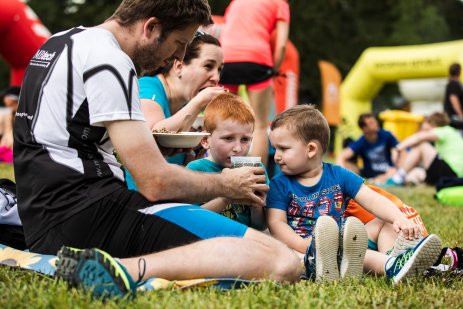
point(206, 95)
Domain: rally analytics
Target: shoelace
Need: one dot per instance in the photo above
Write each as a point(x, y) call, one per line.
point(141, 272)
point(401, 260)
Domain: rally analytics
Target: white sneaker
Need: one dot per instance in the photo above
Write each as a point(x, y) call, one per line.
point(353, 246)
point(321, 256)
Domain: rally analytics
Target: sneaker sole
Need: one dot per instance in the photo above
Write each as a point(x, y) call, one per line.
point(354, 245)
point(66, 264)
point(326, 246)
point(424, 257)
point(402, 244)
point(76, 267)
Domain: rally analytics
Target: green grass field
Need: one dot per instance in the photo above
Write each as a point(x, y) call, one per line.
point(20, 289)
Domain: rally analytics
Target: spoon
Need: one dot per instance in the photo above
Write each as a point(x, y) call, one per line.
point(184, 125)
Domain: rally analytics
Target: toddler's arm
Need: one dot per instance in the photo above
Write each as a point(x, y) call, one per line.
point(258, 217)
point(279, 228)
point(385, 209)
point(216, 205)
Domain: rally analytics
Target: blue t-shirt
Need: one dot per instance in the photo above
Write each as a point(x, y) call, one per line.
point(151, 88)
point(240, 213)
point(303, 205)
point(376, 156)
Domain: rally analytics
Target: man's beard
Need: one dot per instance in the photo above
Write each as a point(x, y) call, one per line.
point(145, 58)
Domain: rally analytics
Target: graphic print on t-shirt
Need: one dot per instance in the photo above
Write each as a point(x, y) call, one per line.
point(303, 211)
point(377, 157)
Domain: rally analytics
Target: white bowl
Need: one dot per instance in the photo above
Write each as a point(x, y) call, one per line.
point(179, 140)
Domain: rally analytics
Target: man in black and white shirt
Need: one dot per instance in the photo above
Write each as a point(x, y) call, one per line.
point(79, 101)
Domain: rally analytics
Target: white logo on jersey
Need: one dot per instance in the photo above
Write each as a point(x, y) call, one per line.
point(44, 55)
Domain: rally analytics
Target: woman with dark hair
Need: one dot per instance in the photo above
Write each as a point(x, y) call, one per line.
point(194, 80)
point(182, 88)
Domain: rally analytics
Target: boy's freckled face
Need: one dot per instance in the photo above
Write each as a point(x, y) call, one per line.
point(290, 152)
point(230, 138)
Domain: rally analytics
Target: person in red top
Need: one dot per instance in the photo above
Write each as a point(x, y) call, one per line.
point(249, 58)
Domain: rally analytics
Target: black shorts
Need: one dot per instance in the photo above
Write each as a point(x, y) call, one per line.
point(12, 236)
point(125, 224)
point(246, 73)
point(438, 168)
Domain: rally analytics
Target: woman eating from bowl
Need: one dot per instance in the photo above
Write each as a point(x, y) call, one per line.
point(194, 80)
point(182, 88)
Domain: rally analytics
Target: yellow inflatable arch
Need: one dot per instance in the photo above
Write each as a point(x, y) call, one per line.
point(378, 65)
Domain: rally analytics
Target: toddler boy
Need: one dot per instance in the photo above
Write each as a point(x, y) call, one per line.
point(306, 204)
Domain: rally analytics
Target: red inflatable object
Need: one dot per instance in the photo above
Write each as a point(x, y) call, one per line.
point(21, 35)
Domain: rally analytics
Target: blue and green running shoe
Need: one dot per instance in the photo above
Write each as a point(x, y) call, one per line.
point(95, 270)
point(402, 244)
point(414, 261)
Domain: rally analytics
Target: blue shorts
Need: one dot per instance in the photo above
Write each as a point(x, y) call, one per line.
point(201, 222)
point(372, 245)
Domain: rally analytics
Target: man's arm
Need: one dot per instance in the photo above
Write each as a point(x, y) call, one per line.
point(417, 138)
point(158, 180)
point(279, 228)
point(344, 156)
point(456, 104)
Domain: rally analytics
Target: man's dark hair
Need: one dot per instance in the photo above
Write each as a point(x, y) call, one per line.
point(172, 14)
point(363, 117)
point(455, 69)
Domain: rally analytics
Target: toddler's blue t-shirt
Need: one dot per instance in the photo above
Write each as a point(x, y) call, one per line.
point(303, 205)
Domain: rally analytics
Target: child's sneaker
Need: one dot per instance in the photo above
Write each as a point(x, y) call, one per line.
point(390, 182)
point(414, 261)
point(96, 270)
point(398, 179)
point(450, 259)
point(321, 257)
point(353, 247)
point(402, 244)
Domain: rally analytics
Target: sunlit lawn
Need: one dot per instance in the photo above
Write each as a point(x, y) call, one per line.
point(20, 289)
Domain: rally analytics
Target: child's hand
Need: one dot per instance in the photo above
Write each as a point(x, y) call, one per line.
point(408, 228)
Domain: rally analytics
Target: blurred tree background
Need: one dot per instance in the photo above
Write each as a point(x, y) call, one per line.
point(334, 30)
